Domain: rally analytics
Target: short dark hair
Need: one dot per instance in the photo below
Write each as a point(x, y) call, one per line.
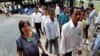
point(91, 5)
point(72, 10)
point(21, 24)
point(36, 7)
point(51, 11)
point(81, 2)
point(83, 10)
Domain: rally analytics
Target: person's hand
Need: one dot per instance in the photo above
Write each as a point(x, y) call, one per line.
point(79, 52)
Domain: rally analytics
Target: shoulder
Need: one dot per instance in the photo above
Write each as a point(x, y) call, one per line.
point(66, 25)
point(32, 14)
point(19, 39)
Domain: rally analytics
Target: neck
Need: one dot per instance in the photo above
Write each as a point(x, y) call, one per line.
point(28, 34)
point(75, 23)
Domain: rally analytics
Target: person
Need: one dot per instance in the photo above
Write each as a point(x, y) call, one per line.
point(44, 18)
point(51, 28)
point(63, 17)
point(57, 11)
point(72, 34)
point(83, 20)
point(36, 20)
point(82, 4)
point(90, 17)
point(28, 41)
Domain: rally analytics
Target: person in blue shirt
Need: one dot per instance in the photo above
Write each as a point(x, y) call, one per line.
point(63, 17)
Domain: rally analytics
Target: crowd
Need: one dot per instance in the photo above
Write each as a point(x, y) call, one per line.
point(69, 24)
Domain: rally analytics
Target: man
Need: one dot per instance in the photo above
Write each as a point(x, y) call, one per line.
point(51, 28)
point(81, 4)
point(36, 20)
point(63, 17)
point(44, 18)
point(72, 34)
point(89, 19)
point(57, 10)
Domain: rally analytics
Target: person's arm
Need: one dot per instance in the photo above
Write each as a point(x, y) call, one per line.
point(62, 44)
point(92, 14)
point(19, 48)
point(19, 53)
point(40, 45)
point(47, 29)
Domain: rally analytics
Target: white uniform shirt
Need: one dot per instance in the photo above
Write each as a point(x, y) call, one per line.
point(44, 18)
point(71, 37)
point(35, 18)
point(51, 29)
point(57, 10)
point(91, 17)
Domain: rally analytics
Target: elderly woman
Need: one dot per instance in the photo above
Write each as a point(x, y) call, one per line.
point(28, 41)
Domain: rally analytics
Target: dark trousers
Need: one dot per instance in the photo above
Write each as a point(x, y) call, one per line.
point(87, 27)
point(68, 54)
point(55, 43)
point(38, 28)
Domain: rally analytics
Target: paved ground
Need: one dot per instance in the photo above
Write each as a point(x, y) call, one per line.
point(9, 33)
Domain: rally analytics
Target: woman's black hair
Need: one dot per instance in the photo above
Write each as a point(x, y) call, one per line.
point(21, 24)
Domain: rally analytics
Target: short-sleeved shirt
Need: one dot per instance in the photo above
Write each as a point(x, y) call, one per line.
point(28, 48)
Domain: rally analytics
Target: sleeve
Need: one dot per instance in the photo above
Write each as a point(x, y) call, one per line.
point(62, 44)
point(92, 14)
point(19, 45)
point(58, 29)
point(37, 38)
point(81, 38)
point(47, 30)
point(59, 18)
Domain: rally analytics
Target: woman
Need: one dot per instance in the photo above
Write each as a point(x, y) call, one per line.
point(28, 42)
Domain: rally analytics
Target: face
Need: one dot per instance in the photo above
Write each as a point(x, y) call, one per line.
point(76, 15)
point(52, 15)
point(26, 28)
point(83, 15)
point(45, 12)
point(65, 10)
point(36, 10)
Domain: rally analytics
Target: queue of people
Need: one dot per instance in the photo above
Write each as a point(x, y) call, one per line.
point(72, 24)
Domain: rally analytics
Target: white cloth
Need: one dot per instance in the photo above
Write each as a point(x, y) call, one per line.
point(71, 37)
point(44, 18)
point(52, 29)
point(91, 17)
point(57, 10)
point(35, 18)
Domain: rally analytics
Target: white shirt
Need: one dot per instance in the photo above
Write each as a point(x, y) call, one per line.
point(98, 18)
point(35, 18)
point(51, 29)
point(57, 10)
point(71, 37)
point(91, 17)
point(44, 18)
point(47, 0)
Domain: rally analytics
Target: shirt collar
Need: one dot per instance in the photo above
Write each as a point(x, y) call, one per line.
point(71, 23)
point(51, 20)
